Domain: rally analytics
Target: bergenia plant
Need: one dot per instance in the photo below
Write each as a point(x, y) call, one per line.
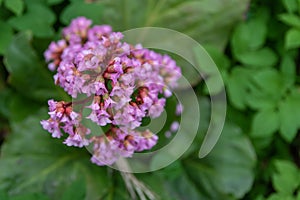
point(123, 84)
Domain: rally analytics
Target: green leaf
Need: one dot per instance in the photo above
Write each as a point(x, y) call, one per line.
point(248, 36)
point(288, 69)
point(279, 196)
point(38, 19)
point(227, 172)
point(221, 60)
point(290, 19)
point(27, 74)
point(207, 67)
point(92, 11)
point(292, 39)
point(237, 86)
point(286, 180)
point(45, 165)
point(177, 183)
point(5, 96)
point(215, 85)
point(269, 83)
point(264, 57)
point(31, 2)
point(54, 2)
point(76, 191)
point(265, 123)
point(3, 194)
point(207, 21)
point(16, 6)
point(298, 195)
point(6, 35)
point(266, 88)
point(289, 112)
point(17, 110)
point(290, 5)
point(29, 196)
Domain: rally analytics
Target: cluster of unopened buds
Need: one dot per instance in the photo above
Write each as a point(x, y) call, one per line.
point(122, 82)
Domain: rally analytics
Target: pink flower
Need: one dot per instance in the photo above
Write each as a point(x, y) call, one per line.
point(76, 140)
point(174, 126)
point(52, 127)
point(127, 83)
point(157, 108)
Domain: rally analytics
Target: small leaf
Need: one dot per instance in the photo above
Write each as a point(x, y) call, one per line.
point(290, 5)
point(16, 6)
point(6, 35)
point(237, 86)
point(292, 39)
point(289, 112)
point(287, 178)
point(288, 69)
point(290, 19)
point(264, 57)
point(248, 36)
point(265, 123)
point(279, 196)
point(269, 83)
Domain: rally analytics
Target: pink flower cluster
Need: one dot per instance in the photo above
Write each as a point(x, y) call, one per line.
point(125, 83)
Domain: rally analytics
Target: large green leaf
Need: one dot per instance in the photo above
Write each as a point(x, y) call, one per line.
point(44, 165)
point(177, 183)
point(80, 8)
point(79, 187)
point(207, 21)
point(28, 75)
point(227, 171)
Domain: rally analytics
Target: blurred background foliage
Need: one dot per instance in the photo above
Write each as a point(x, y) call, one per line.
point(254, 43)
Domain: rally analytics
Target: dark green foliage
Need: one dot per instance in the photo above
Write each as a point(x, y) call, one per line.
point(256, 48)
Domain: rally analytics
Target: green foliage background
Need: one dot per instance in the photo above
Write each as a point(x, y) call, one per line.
point(256, 48)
